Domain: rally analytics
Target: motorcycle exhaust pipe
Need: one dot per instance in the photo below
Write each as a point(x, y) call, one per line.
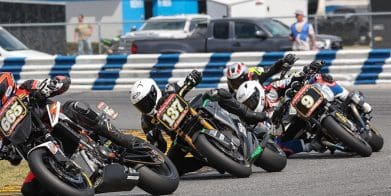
point(329, 144)
point(116, 178)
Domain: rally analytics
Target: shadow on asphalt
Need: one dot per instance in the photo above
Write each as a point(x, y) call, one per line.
point(211, 174)
point(326, 155)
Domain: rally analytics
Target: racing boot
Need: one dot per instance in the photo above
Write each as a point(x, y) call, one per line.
point(106, 129)
point(82, 114)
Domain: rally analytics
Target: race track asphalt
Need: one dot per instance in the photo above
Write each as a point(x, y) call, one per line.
point(305, 174)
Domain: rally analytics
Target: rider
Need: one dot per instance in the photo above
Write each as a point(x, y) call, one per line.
point(146, 97)
point(42, 90)
point(252, 94)
point(237, 73)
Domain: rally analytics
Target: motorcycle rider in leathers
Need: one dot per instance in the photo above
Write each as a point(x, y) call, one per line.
point(146, 97)
point(41, 90)
point(238, 72)
point(248, 91)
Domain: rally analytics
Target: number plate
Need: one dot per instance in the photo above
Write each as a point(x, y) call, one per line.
point(307, 100)
point(11, 114)
point(172, 111)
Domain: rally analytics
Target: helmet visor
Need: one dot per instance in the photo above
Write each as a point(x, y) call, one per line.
point(147, 104)
point(253, 101)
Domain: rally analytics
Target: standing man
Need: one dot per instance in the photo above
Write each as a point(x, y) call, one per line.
point(302, 34)
point(83, 33)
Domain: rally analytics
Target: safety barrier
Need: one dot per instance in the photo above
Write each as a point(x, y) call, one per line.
point(119, 72)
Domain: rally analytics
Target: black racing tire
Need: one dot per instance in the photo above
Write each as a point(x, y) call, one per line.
point(155, 183)
point(50, 180)
point(361, 147)
point(272, 159)
point(376, 140)
point(219, 160)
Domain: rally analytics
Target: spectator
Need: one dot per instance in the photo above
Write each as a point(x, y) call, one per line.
point(302, 34)
point(83, 33)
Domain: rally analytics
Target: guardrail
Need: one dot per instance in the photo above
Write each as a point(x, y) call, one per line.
point(119, 72)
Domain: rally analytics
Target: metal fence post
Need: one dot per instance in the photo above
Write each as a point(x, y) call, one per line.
point(371, 31)
point(99, 37)
point(316, 24)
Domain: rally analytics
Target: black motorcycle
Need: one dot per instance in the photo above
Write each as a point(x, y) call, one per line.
point(67, 159)
point(323, 119)
point(41, 144)
point(213, 135)
point(157, 174)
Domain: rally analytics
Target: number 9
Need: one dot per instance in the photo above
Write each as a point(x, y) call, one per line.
point(307, 101)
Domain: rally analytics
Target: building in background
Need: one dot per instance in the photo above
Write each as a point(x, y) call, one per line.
point(123, 15)
point(48, 39)
point(256, 8)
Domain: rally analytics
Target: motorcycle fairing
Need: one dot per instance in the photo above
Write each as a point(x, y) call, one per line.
point(220, 114)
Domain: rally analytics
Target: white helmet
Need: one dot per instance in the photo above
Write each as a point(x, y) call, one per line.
point(252, 95)
point(144, 95)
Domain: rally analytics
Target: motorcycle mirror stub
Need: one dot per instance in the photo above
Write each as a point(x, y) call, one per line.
point(102, 106)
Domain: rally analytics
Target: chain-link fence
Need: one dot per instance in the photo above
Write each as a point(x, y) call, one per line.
point(59, 38)
point(356, 30)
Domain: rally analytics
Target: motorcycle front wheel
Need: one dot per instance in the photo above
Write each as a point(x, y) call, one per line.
point(356, 144)
point(219, 160)
point(159, 179)
point(55, 177)
point(376, 140)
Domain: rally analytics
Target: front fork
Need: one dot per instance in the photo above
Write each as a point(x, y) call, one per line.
point(359, 119)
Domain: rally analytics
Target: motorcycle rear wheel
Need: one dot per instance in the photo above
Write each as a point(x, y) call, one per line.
point(360, 146)
point(219, 160)
point(53, 183)
point(272, 159)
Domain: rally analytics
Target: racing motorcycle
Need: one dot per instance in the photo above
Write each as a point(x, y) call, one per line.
point(157, 174)
point(39, 144)
point(65, 159)
point(326, 121)
point(216, 136)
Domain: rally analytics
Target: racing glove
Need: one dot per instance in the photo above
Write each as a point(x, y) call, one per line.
point(194, 78)
point(9, 153)
point(313, 67)
point(54, 86)
point(289, 59)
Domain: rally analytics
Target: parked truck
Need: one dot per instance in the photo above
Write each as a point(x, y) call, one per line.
point(232, 35)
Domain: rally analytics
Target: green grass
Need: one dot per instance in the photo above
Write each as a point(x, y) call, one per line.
point(12, 177)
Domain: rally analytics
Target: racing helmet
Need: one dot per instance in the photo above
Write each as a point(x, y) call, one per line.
point(7, 87)
point(237, 73)
point(144, 95)
point(252, 95)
